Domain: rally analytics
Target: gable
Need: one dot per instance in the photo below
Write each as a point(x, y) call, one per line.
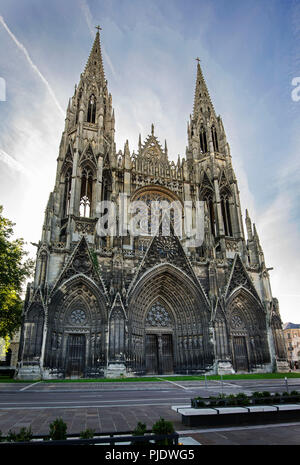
point(239, 278)
point(80, 262)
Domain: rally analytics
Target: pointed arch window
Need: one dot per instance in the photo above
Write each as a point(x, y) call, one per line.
point(117, 335)
point(208, 198)
point(78, 106)
point(225, 206)
point(214, 138)
point(86, 193)
point(91, 113)
point(33, 334)
point(203, 140)
point(67, 192)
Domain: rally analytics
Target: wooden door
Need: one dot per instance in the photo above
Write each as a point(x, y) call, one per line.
point(151, 354)
point(159, 354)
point(166, 354)
point(240, 353)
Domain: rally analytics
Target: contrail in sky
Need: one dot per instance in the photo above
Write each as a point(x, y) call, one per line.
point(33, 66)
point(12, 163)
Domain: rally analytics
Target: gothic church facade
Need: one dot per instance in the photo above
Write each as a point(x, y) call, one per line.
point(106, 305)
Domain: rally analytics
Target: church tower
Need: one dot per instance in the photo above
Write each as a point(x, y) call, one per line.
point(101, 303)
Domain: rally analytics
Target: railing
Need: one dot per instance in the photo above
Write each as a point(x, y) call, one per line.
point(103, 438)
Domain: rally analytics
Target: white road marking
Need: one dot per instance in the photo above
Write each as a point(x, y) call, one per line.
point(176, 384)
point(87, 401)
point(30, 385)
point(227, 384)
point(80, 406)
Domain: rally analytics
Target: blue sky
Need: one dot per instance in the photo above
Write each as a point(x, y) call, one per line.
point(249, 53)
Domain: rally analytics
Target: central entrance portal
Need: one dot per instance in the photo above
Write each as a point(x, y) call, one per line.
point(75, 355)
point(159, 354)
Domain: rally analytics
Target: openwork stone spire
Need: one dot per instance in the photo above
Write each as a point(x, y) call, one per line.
point(202, 100)
point(94, 69)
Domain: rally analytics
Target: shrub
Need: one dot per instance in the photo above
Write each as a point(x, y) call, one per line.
point(213, 401)
point(198, 402)
point(221, 400)
point(231, 399)
point(242, 399)
point(267, 397)
point(58, 430)
point(294, 396)
point(87, 434)
point(140, 430)
point(276, 397)
point(163, 427)
point(24, 435)
point(257, 397)
point(295, 393)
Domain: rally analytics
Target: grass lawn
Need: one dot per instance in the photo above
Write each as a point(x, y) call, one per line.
point(6, 379)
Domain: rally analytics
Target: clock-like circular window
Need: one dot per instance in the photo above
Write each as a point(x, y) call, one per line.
point(78, 317)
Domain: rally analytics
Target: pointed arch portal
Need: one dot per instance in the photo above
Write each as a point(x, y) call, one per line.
point(75, 345)
point(247, 331)
point(168, 324)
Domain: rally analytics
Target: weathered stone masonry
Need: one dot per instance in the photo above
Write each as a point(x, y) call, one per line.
point(135, 305)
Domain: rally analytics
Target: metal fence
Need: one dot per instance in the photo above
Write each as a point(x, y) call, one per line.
point(111, 439)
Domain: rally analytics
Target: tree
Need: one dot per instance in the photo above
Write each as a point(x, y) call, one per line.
point(14, 269)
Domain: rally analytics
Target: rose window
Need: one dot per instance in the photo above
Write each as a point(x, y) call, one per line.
point(236, 322)
point(158, 316)
point(78, 317)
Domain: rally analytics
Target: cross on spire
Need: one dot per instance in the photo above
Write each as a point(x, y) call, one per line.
point(98, 28)
point(198, 59)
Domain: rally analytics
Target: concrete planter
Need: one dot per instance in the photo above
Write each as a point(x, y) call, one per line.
point(237, 416)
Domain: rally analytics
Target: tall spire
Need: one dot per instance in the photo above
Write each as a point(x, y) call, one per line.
point(94, 68)
point(202, 100)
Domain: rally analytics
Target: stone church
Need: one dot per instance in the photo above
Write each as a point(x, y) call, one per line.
point(111, 305)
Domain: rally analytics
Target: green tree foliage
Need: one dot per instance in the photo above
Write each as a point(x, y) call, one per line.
point(14, 269)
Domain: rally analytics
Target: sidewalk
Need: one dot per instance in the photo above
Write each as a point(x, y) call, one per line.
point(113, 419)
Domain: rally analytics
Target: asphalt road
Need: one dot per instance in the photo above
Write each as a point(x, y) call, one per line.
point(81, 395)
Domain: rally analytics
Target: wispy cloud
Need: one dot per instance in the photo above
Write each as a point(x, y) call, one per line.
point(33, 66)
point(12, 163)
